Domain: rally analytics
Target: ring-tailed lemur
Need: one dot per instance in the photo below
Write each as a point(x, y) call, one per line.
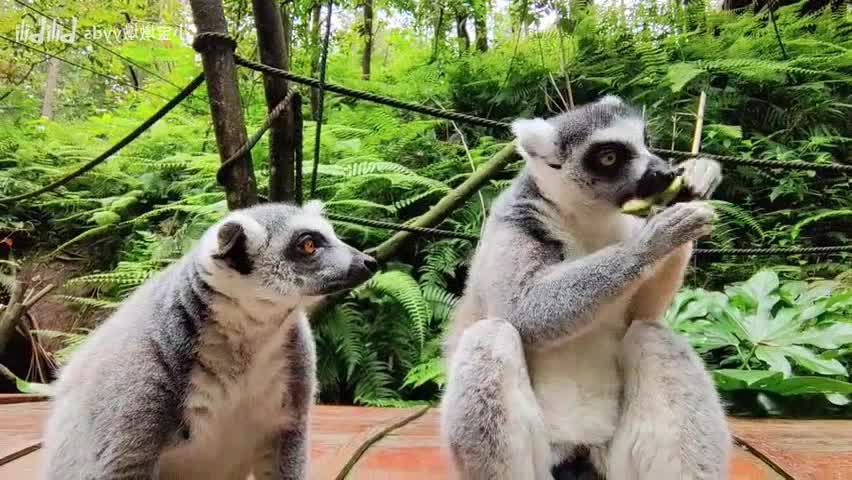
point(207, 371)
point(556, 348)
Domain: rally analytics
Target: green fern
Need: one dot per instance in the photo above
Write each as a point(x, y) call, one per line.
point(403, 288)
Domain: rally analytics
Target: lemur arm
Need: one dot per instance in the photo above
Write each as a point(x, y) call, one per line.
point(548, 299)
point(134, 431)
point(656, 292)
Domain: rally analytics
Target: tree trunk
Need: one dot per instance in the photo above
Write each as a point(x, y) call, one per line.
point(481, 27)
point(287, 26)
point(225, 104)
point(273, 50)
point(50, 88)
point(439, 34)
point(368, 39)
point(315, 55)
point(461, 32)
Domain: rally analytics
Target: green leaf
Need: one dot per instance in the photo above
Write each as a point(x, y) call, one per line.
point(831, 337)
point(679, 74)
point(775, 359)
point(810, 385)
point(730, 131)
point(837, 399)
point(33, 387)
point(809, 360)
point(760, 286)
point(404, 289)
point(745, 379)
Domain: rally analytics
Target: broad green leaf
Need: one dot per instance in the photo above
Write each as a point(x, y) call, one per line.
point(837, 399)
point(808, 384)
point(774, 382)
point(790, 291)
point(831, 337)
point(809, 360)
point(728, 379)
point(839, 301)
point(775, 358)
point(762, 283)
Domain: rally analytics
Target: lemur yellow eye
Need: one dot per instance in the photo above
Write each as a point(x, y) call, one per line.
point(307, 246)
point(608, 158)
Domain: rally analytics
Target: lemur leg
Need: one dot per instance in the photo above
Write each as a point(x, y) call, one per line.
point(489, 415)
point(673, 425)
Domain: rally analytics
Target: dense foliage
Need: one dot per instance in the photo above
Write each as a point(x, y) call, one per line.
point(782, 96)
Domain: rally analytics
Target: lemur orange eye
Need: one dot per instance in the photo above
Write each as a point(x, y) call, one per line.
point(307, 246)
point(608, 158)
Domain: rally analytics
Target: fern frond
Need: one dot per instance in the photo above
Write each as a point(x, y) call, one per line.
point(403, 288)
point(797, 228)
point(738, 214)
point(89, 302)
point(431, 371)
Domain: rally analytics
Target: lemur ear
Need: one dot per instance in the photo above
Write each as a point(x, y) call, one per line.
point(536, 140)
point(233, 247)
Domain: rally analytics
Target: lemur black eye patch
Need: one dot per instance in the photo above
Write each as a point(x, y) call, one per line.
point(606, 159)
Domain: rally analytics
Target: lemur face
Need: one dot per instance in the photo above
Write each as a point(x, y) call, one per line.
point(286, 251)
point(598, 150)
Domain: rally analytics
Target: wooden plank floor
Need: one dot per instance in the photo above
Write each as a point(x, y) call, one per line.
point(378, 444)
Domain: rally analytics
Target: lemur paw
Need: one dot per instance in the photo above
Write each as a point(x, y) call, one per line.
point(701, 177)
point(674, 226)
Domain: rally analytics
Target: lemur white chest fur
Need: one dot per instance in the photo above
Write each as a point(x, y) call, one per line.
point(238, 393)
point(578, 383)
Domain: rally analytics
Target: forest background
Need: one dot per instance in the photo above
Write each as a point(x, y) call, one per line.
point(775, 329)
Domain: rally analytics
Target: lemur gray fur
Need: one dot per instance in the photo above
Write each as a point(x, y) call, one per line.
point(207, 371)
point(556, 348)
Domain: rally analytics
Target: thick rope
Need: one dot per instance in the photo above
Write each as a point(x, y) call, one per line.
point(321, 99)
point(283, 106)
point(165, 109)
point(204, 41)
point(699, 251)
point(473, 120)
point(371, 97)
point(756, 162)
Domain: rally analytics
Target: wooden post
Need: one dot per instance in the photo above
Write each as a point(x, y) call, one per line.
point(699, 124)
point(225, 105)
point(272, 49)
point(298, 126)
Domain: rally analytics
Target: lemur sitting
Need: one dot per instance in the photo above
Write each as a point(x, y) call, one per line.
point(207, 371)
point(556, 348)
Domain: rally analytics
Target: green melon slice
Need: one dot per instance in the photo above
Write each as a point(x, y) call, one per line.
point(639, 206)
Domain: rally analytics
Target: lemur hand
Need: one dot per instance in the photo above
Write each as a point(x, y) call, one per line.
point(701, 176)
point(674, 226)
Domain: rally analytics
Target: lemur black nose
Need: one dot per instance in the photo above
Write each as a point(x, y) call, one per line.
point(656, 178)
point(371, 264)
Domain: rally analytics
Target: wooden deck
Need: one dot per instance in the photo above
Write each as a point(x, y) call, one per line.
point(378, 444)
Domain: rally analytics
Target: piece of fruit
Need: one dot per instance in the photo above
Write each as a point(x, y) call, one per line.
point(639, 206)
